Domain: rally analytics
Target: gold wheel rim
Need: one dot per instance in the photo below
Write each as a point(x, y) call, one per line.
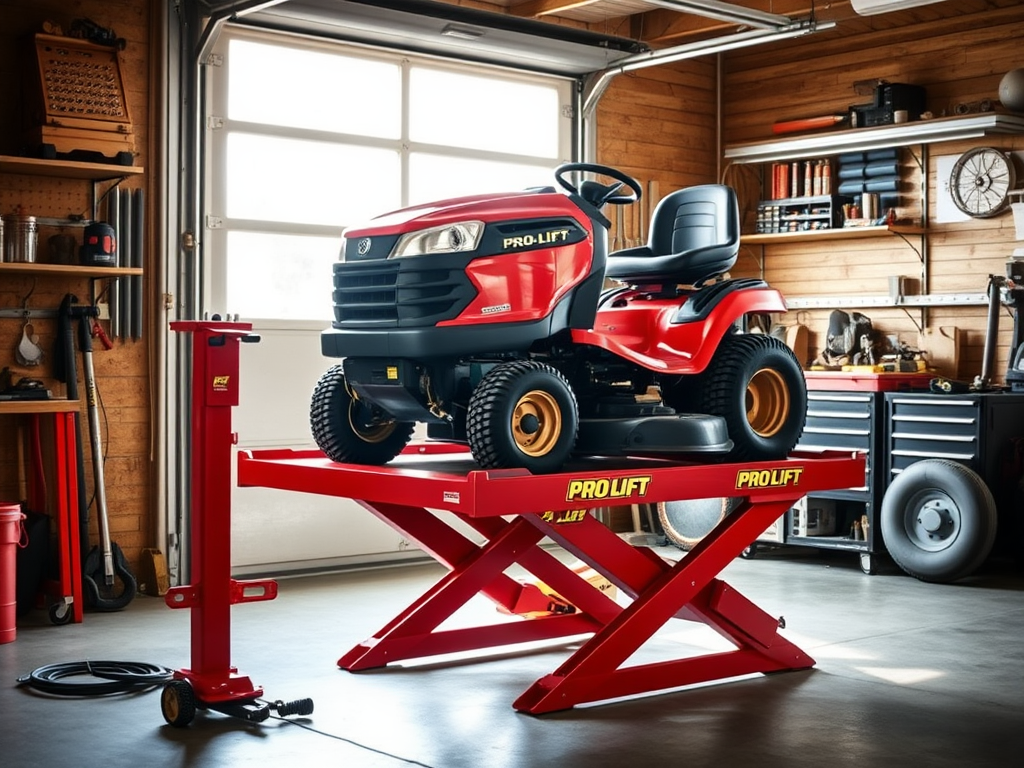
point(767, 402)
point(371, 434)
point(544, 408)
point(171, 704)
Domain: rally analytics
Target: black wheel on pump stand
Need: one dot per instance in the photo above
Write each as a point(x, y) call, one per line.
point(757, 385)
point(349, 430)
point(522, 414)
point(178, 703)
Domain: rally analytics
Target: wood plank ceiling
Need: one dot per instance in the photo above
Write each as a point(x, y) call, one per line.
point(658, 24)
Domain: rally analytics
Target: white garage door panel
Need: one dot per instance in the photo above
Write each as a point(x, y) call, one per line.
point(277, 379)
point(282, 530)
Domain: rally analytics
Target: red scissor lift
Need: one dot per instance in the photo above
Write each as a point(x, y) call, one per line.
point(513, 511)
point(402, 493)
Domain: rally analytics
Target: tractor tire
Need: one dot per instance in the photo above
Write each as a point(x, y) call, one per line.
point(938, 520)
point(350, 431)
point(522, 415)
point(757, 385)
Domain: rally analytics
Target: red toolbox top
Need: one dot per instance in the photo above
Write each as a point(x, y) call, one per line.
point(867, 382)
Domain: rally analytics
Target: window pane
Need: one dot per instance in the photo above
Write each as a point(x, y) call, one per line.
point(312, 89)
point(309, 182)
point(461, 110)
point(280, 276)
point(437, 177)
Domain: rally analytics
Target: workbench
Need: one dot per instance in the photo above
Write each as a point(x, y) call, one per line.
point(514, 510)
point(65, 590)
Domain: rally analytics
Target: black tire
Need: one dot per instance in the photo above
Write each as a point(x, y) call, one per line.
point(687, 521)
point(938, 520)
point(101, 596)
point(522, 414)
point(350, 431)
point(757, 385)
point(59, 613)
point(178, 703)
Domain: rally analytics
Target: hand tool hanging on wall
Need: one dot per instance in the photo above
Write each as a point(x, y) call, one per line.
point(138, 218)
point(65, 370)
point(105, 564)
point(125, 260)
point(114, 292)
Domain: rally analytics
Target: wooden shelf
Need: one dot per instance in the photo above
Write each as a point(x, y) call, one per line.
point(876, 137)
point(844, 233)
point(69, 270)
point(67, 169)
point(39, 406)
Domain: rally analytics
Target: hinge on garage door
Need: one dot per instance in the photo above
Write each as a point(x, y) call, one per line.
point(214, 222)
point(568, 111)
point(213, 122)
point(215, 60)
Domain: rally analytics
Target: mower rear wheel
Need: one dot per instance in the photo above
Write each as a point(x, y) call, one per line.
point(522, 414)
point(756, 384)
point(349, 430)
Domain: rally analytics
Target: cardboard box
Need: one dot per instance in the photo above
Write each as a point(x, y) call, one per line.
point(813, 517)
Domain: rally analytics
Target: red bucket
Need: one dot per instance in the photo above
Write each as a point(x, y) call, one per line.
point(10, 535)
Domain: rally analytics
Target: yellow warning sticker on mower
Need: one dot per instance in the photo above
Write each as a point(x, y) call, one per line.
point(768, 478)
point(607, 488)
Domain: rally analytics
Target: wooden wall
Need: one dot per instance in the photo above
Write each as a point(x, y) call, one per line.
point(658, 125)
point(958, 52)
point(123, 372)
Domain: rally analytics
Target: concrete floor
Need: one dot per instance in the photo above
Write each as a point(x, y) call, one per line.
point(907, 673)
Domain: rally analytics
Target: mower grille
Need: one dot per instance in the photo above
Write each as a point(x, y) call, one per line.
point(397, 294)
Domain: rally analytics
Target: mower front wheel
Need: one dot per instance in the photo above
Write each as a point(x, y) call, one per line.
point(522, 414)
point(756, 384)
point(349, 430)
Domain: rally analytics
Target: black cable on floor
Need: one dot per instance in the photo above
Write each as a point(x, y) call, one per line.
point(368, 748)
point(106, 677)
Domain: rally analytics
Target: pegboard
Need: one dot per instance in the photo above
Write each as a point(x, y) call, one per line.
point(80, 80)
point(45, 196)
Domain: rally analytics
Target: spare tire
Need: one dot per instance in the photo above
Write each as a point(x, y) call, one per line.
point(938, 520)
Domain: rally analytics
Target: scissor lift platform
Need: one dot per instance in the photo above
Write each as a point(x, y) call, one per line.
point(514, 510)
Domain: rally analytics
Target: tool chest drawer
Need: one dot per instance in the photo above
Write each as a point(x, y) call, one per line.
point(843, 421)
point(932, 427)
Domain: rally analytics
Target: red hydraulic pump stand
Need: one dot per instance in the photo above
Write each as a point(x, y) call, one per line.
point(211, 682)
point(513, 511)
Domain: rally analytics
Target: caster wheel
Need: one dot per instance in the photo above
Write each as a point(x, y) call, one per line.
point(59, 613)
point(178, 703)
point(749, 552)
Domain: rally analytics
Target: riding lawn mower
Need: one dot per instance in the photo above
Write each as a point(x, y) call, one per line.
point(503, 323)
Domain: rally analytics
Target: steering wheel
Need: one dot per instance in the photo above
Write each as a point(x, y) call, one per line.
point(595, 193)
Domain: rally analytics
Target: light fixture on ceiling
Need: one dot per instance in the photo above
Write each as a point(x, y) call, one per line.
point(873, 7)
point(462, 33)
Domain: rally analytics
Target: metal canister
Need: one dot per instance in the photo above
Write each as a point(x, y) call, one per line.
point(20, 238)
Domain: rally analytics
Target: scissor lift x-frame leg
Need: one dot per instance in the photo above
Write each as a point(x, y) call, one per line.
point(661, 590)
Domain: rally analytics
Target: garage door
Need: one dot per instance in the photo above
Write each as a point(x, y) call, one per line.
point(303, 139)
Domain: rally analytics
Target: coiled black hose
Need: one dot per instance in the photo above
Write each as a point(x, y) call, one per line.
point(108, 677)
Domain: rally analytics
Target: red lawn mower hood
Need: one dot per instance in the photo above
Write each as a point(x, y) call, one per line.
point(486, 208)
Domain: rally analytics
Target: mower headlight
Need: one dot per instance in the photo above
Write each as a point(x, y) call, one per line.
point(451, 238)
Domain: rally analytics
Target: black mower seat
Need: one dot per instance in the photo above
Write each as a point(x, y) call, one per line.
point(694, 235)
